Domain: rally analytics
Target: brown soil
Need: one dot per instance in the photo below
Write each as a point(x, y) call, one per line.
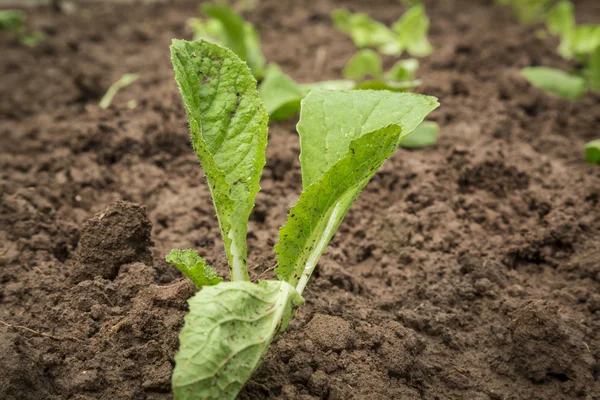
point(470, 270)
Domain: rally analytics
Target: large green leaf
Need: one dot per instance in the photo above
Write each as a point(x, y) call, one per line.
point(226, 334)
point(228, 124)
point(344, 138)
point(555, 81)
point(412, 30)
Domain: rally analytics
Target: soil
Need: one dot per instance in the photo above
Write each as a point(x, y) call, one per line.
point(469, 270)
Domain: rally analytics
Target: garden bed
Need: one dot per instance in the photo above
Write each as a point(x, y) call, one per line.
point(468, 270)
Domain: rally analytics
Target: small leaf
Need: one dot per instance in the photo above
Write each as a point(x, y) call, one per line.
point(426, 134)
point(592, 152)
point(412, 30)
point(560, 19)
point(210, 30)
point(526, 11)
point(227, 28)
point(555, 81)
point(193, 267)
point(228, 124)
point(365, 63)
point(226, 334)
point(344, 138)
point(403, 70)
point(366, 32)
point(12, 21)
point(280, 93)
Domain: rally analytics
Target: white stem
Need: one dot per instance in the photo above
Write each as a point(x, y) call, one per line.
point(239, 271)
point(319, 248)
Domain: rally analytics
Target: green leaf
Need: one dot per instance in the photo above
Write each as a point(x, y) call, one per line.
point(226, 334)
point(33, 39)
point(193, 267)
point(560, 19)
point(232, 31)
point(280, 93)
point(425, 135)
point(585, 40)
point(555, 81)
point(526, 11)
point(365, 63)
point(207, 29)
point(344, 138)
point(412, 30)
point(228, 125)
point(12, 21)
point(592, 71)
point(366, 32)
point(403, 70)
point(592, 152)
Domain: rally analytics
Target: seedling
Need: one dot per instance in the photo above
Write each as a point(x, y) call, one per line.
point(576, 41)
point(527, 11)
point(123, 81)
point(345, 137)
point(409, 33)
point(12, 21)
point(224, 26)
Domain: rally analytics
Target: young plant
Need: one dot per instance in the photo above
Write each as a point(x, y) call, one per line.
point(124, 81)
point(365, 67)
point(527, 11)
point(12, 21)
point(226, 27)
point(345, 137)
point(409, 33)
point(581, 42)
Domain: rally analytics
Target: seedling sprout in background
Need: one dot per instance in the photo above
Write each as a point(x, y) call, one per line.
point(124, 81)
point(409, 33)
point(12, 21)
point(224, 26)
point(345, 137)
point(580, 42)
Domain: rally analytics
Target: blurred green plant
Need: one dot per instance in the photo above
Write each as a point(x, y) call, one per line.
point(125, 80)
point(409, 33)
point(12, 21)
point(224, 26)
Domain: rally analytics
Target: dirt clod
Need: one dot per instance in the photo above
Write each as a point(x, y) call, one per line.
point(118, 235)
